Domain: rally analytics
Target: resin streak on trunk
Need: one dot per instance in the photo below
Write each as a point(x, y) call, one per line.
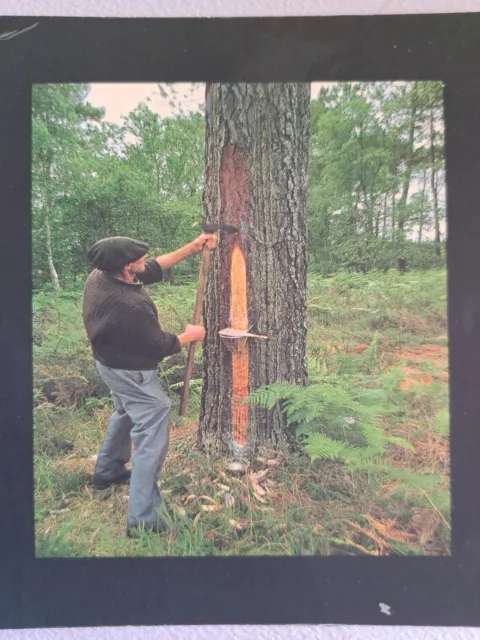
point(239, 320)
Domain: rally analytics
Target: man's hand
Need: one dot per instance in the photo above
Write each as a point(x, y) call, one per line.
point(210, 239)
point(192, 333)
point(169, 259)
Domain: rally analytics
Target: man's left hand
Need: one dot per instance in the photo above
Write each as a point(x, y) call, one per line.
point(210, 239)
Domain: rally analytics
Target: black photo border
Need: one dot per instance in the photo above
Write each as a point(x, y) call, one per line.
point(441, 591)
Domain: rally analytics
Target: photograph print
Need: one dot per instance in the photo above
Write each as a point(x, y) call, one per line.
point(239, 297)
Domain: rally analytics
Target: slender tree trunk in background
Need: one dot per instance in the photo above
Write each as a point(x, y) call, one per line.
point(408, 169)
point(105, 222)
point(353, 218)
point(168, 276)
point(393, 233)
point(394, 219)
point(422, 207)
point(51, 267)
point(157, 174)
point(384, 227)
point(402, 205)
point(256, 156)
point(436, 212)
point(368, 211)
point(377, 221)
point(370, 215)
point(46, 221)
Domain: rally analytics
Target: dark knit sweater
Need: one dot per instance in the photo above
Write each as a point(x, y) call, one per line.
point(122, 322)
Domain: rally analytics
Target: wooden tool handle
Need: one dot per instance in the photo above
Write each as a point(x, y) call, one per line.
point(205, 262)
point(196, 320)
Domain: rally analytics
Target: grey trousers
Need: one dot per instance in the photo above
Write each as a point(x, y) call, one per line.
point(141, 418)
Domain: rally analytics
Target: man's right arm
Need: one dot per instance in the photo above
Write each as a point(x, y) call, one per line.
point(192, 333)
point(161, 344)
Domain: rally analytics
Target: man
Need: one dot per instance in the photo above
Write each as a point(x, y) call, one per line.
point(127, 342)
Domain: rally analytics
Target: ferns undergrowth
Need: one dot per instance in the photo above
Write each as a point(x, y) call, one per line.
point(372, 474)
point(346, 416)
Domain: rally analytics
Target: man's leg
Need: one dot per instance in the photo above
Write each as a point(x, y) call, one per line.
point(148, 407)
point(150, 436)
point(116, 449)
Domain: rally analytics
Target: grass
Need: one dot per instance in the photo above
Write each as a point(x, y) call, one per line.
point(363, 327)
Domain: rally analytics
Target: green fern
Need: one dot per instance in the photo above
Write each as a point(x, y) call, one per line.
point(401, 442)
point(404, 476)
point(341, 416)
point(268, 395)
point(441, 423)
point(375, 438)
point(193, 384)
point(339, 420)
point(322, 447)
point(441, 499)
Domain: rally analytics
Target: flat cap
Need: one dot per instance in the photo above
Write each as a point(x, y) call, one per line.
point(114, 253)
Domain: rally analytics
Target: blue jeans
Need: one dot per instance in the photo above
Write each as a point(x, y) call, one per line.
point(141, 418)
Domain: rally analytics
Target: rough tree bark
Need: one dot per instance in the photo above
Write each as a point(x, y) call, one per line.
point(256, 179)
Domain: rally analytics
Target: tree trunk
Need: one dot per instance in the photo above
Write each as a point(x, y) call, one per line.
point(378, 213)
point(422, 207)
point(168, 277)
point(256, 180)
point(393, 234)
point(394, 220)
point(48, 235)
point(408, 165)
point(402, 205)
point(384, 227)
point(436, 213)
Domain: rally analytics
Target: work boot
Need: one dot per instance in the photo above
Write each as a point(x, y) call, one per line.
point(123, 478)
point(158, 527)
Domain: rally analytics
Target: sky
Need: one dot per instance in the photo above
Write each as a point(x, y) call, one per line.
point(120, 99)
